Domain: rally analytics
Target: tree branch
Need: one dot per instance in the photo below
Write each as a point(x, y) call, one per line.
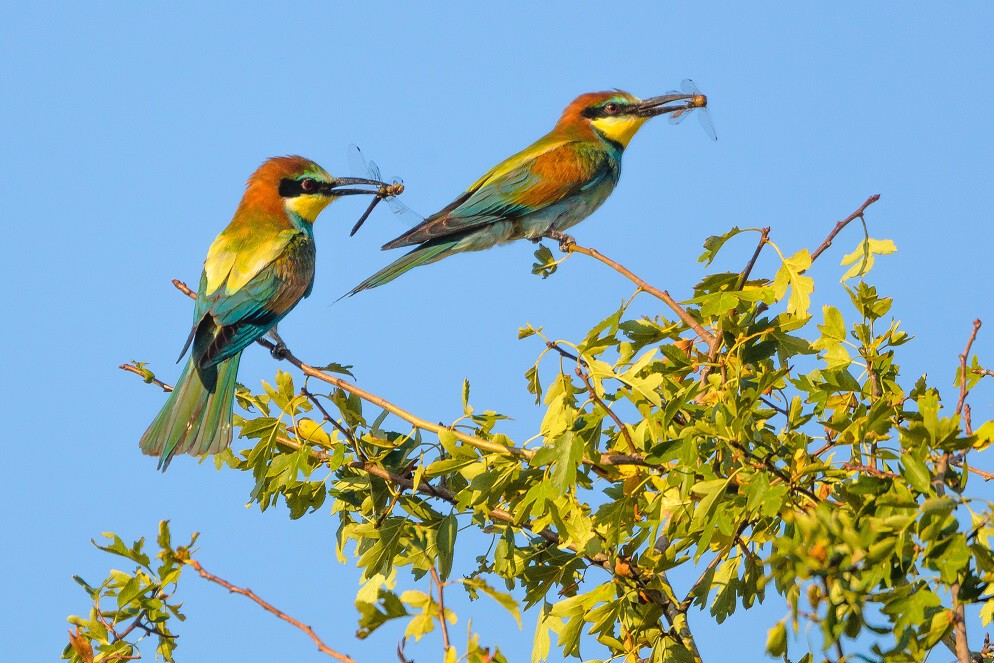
point(858, 214)
point(479, 443)
point(764, 236)
point(963, 358)
point(441, 608)
point(322, 647)
point(674, 617)
point(146, 375)
point(662, 295)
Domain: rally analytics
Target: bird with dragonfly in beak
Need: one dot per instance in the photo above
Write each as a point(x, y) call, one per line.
point(257, 270)
point(545, 189)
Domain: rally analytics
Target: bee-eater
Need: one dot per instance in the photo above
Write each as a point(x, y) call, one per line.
point(548, 187)
point(256, 270)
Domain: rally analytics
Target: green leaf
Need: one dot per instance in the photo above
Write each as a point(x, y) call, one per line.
point(528, 330)
point(916, 472)
point(862, 258)
point(475, 585)
point(446, 544)
point(568, 454)
point(790, 275)
point(987, 613)
point(714, 243)
point(545, 264)
point(776, 640)
point(335, 367)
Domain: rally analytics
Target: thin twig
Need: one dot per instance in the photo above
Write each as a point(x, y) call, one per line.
point(869, 469)
point(131, 368)
point(712, 565)
point(764, 238)
point(347, 432)
point(963, 358)
point(961, 646)
point(441, 608)
point(774, 406)
point(858, 214)
point(245, 591)
point(597, 399)
point(552, 345)
point(986, 476)
point(662, 295)
point(715, 345)
point(827, 242)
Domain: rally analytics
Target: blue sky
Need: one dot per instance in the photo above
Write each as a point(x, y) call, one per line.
point(128, 132)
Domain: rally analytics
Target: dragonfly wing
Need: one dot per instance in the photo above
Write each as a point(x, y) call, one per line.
point(679, 116)
point(357, 163)
point(689, 87)
point(704, 117)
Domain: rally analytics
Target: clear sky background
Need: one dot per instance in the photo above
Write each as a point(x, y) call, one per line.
point(127, 132)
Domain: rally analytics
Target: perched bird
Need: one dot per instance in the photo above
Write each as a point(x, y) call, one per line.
point(256, 270)
point(541, 191)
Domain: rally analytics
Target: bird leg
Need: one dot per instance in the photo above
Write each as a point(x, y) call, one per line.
point(566, 242)
point(280, 352)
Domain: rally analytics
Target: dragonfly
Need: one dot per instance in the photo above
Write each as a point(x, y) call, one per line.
point(696, 102)
point(359, 167)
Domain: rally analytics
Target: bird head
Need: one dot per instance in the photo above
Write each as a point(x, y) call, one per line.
point(617, 115)
point(300, 187)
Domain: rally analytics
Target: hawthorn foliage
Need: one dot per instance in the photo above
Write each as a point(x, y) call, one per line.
point(782, 455)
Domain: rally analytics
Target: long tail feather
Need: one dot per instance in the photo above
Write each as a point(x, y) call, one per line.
point(422, 255)
point(196, 419)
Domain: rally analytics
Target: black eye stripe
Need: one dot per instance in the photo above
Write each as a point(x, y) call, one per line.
point(292, 188)
point(594, 112)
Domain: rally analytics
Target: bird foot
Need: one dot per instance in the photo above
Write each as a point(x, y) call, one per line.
point(566, 242)
point(280, 351)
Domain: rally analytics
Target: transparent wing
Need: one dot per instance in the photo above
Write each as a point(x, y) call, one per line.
point(704, 117)
point(687, 86)
point(359, 167)
point(679, 116)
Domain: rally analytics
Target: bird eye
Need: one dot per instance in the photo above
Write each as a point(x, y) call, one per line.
point(308, 185)
point(611, 108)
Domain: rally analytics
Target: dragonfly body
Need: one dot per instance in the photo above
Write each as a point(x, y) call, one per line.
point(545, 189)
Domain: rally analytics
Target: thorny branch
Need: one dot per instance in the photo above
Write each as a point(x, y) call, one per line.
point(245, 591)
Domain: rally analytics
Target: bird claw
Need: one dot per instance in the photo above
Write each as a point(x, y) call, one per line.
point(566, 242)
point(280, 351)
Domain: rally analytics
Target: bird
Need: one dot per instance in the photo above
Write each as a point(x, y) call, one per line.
point(256, 271)
point(543, 190)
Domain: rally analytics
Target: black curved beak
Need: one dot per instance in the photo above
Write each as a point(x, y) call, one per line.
point(654, 106)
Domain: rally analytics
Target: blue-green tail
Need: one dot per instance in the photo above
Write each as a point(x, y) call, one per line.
point(196, 418)
point(422, 255)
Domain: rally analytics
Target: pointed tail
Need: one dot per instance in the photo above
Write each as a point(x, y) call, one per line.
point(196, 418)
point(422, 255)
